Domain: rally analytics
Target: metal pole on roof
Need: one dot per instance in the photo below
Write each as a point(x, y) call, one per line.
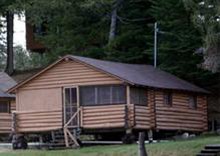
point(155, 44)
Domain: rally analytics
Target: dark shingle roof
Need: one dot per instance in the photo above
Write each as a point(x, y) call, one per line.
point(6, 82)
point(143, 75)
point(6, 95)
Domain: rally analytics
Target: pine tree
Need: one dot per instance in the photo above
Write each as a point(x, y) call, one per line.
point(178, 39)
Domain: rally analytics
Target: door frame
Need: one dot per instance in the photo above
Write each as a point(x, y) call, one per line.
point(77, 103)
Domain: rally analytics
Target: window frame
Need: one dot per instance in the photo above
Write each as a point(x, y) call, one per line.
point(8, 103)
point(168, 98)
point(97, 95)
point(193, 101)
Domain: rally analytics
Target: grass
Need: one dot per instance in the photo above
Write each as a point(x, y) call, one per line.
point(175, 148)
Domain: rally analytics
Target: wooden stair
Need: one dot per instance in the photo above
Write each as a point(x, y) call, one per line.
point(58, 139)
point(210, 150)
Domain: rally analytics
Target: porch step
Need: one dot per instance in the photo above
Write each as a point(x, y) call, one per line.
point(58, 136)
point(214, 146)
point(210, 150)
point(58, 140)
point(206, 154)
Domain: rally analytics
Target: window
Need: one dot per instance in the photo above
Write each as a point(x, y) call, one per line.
point(139, 96)
point(168, 98)
point(193, 102)
point(4, 107)
point(99, 95)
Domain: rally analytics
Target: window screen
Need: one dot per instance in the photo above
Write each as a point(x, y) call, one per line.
point(193, 102)
point(168, 98)
point(104, 94)
point(70, 104)
point(118, 94)
point(4, 107)
point(139, 96)
point(87, 95)
point(99, 95)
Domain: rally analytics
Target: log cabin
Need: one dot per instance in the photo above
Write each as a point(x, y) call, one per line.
point(7, 103)
point(84, 95)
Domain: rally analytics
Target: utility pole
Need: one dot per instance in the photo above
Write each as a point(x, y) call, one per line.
point(155, 44)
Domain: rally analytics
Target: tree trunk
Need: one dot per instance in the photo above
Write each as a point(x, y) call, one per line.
point(113, 25)
point(142, 150)
point(10, 55)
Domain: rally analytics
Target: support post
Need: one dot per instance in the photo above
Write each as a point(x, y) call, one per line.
point(150, 136)
point(128, 102)
point(78, 107)
point(128, 95)
point(142, 150)
point(213, 125)
point(126, 117)
point(66, 137)
point(13, 122)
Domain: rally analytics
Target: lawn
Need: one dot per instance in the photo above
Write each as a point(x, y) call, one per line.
point(175, 148)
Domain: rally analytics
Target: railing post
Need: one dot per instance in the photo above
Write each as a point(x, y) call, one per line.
point(134, 115)
point(126, 117)
point(14, 124)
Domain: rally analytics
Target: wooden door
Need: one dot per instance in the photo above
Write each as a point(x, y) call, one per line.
point(70, 105)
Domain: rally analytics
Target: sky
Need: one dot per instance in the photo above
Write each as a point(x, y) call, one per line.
point(19, 31)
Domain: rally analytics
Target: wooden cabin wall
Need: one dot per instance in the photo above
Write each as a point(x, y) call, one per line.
point(144, 115)
point(179, 116)
point(40, 99)
point(44, 92)
point(38, 121)
point(6, 118)
point(13, 105)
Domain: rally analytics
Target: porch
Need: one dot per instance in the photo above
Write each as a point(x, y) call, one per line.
point(91, 108)
point(86, 117)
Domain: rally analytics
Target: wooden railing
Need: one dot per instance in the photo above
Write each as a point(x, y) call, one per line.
point(108, 116)
point(143, 118)
point(116, 116)
point(88, 117)
point(36, 121)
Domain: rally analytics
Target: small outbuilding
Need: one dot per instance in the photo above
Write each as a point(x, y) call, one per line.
point(7, 103)
point(83, 95)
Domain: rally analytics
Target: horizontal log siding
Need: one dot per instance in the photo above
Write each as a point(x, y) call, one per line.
point(6, 119)
point(179, 116)
point(69, 73)
point(13, 105)
point(144, 115)
point(131, 116)
point(40, 99)
point(38, 121)
point(5, 122)
point(101, 117)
